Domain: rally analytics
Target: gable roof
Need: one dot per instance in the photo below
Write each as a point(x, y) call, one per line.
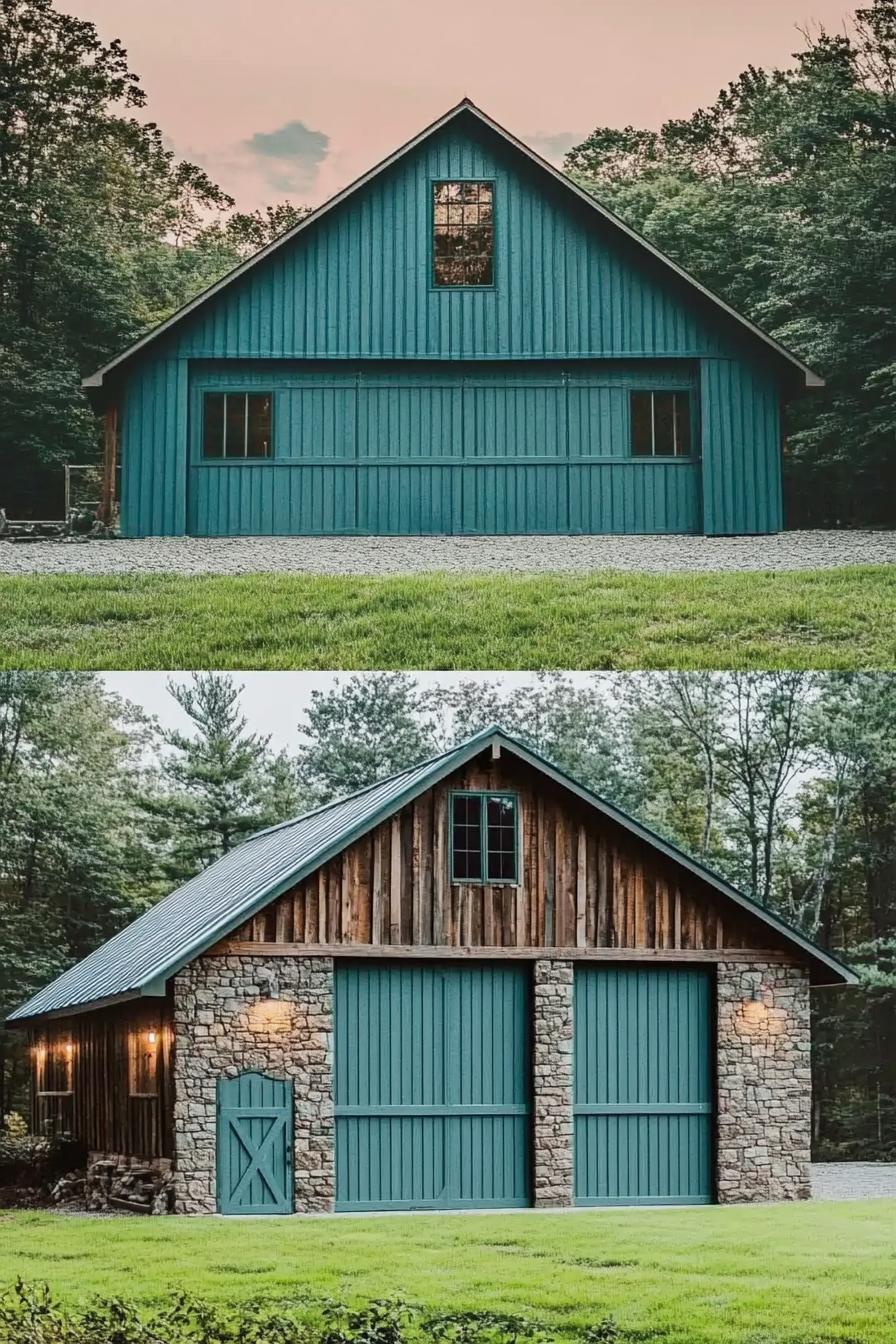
point(464, 107)
point(183, 925)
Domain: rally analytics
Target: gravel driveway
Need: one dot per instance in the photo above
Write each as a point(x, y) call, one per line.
point(854, 1180)
point(413, 555)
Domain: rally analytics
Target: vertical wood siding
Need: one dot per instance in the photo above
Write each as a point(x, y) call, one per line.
point(432, 1086)
point(358, 287)
point(741, 416)
point(99, 1110)
point(457, 449)
point(583, 883)
point(643, 1090)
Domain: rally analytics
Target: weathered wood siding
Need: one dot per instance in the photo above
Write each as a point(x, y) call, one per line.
point(98, 1108)
point(584, 884)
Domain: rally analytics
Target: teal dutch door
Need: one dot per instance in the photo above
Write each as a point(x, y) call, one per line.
point(432, 1087)
point(255, 1139)
point(643, 1107)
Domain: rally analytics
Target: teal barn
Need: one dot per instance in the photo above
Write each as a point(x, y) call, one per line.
point(474, 984)
point(462, 341)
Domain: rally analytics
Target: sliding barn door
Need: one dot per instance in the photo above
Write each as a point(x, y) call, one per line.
point(432, 1086)
point(643, 1101)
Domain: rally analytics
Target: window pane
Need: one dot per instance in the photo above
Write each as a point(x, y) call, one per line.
point(463, 233)
point(235, 425)
point(502, 838)
point(466, 838)
point(259, 415)
point(664, 424)
point(642, 435)
point(682, 424)
point(213, 425)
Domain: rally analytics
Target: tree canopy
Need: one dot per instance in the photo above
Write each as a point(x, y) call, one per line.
point(781, 197)
point(103, 233)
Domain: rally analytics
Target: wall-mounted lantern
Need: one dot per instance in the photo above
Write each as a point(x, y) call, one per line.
point(269, 1012)
point(753, 1009)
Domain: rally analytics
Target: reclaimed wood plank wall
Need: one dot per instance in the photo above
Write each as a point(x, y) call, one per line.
point(97, 1107)
point(584, 882)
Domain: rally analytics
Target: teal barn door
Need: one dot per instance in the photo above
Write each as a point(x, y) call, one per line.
point(255, 1141)
point(642, 1102)
point(432, 1087)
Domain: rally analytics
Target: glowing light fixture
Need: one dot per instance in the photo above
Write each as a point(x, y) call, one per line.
point(152, 1037)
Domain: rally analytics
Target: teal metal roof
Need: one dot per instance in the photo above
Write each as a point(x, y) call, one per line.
point(141, 958)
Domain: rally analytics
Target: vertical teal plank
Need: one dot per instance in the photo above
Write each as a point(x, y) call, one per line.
point(741, 447)
point(254, 1145)
point(642, 1089)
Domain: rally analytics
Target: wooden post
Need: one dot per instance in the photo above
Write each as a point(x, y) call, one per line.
point(108, 499)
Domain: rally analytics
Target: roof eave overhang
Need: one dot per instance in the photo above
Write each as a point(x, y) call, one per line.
point(94, 384)
point(74, 1009)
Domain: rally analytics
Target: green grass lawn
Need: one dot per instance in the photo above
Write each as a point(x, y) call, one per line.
point(753, 1275)
point(843, 618)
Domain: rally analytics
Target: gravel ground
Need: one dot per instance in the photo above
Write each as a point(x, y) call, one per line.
point(413, 555)
point(854, 1180)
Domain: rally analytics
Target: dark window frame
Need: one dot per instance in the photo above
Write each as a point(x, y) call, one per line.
point(483, 796)
point(205, 394)
point(443, 286)
point(143, 1061)
point(678, 395)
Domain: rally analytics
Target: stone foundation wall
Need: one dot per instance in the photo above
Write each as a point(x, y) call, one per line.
point(272, 1014)
point(552, 1121)
point(764, 1082)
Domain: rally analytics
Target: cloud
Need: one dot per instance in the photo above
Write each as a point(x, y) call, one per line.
point(554, 147)
point(289, 156)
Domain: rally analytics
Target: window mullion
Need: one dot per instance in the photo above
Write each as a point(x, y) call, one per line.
point(483, 805)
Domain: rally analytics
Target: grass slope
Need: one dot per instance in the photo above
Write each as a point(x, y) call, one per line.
point(842, 618)
point(750, 1275)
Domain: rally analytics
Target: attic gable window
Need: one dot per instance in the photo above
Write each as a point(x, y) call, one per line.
point(661, 424)
point(236, 424)
point(463, 234)
point(484, 837)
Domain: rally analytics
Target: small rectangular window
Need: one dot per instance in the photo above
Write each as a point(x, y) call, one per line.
point(484, 843)
point(463, 234)
point(661, 424)
point(236, 424)
point(466, 843)
point(143, 1062)
point(54, 1066)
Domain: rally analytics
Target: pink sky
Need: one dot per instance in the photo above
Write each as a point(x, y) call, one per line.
point(349, 80)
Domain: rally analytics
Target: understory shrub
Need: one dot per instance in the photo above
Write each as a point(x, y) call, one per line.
point(29, 1314)
point(35, 1160)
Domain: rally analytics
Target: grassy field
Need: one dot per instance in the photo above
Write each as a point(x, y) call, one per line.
point(842, 618)
point(750, 1275)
